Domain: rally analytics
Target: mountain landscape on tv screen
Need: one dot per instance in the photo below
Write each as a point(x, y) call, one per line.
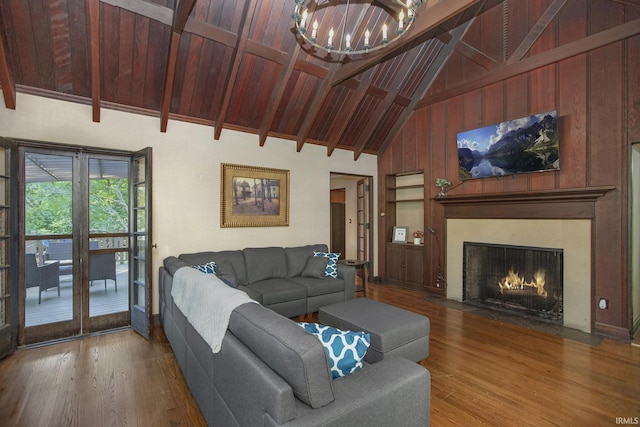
point(529, 144)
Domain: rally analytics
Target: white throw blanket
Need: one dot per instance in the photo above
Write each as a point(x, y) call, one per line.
point(207, 303)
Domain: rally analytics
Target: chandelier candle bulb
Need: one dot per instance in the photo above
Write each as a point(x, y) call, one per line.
point(314, 18)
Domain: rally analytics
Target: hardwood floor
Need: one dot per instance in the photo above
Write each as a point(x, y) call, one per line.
point(484, 372)
point(113, 379)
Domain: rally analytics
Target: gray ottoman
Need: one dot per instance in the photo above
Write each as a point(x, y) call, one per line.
point(394, 331)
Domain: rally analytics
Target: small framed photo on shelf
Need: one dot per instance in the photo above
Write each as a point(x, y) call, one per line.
point(400, 234)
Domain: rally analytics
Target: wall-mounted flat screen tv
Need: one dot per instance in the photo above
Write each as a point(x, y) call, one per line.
point(529, 144)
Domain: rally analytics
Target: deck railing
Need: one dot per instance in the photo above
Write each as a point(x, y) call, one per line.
point(47, 248)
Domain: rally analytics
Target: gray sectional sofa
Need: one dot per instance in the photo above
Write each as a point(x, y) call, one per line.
point(271, 372)
point(273, 277)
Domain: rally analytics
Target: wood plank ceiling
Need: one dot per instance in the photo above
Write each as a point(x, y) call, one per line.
point(236, 64)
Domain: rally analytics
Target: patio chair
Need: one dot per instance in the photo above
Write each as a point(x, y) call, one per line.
point(103, 267)
point(45, 276)
point(61, 250)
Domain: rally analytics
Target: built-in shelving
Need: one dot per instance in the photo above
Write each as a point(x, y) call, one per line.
point(405, 207)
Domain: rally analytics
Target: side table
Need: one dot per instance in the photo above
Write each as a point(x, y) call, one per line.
point(360, 266)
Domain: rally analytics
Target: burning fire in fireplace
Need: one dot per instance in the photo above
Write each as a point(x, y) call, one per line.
point(513, 283)
point(528, 279)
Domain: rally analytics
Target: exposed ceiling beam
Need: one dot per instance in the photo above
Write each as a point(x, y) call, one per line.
point(145, 8)
point(539, 27)
point(635, 3)
point(426, 21)
point(480, 58)
point(7, 80)
point(552, 56)
point(317, 102)
point(181, 15)
point(388, 100)
point(93, 22)
point(211, 32)
point(426, 83)
point(277, 94)
point(229, 39)
point(311, 69)
point(326, 75)
point(179, 21)
point(168, 80)
point(236, 59)
point(352, 105)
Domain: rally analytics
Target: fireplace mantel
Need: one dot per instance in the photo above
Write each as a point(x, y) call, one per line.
point(559, 203)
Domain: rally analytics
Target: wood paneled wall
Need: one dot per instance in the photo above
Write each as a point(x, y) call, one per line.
point(597, 95)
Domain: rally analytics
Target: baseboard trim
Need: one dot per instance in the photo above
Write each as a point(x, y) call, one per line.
point(613, 332)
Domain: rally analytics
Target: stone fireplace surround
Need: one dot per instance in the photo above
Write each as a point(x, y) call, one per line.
point(573, 236)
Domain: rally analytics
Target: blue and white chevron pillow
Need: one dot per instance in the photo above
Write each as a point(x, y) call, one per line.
point(208, 268)
point(345, 349)
point(332, 263)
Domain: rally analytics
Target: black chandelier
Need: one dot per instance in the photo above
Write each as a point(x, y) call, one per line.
point(359, 27)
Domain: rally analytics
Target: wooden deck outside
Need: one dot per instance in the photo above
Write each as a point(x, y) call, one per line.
point(56, 308)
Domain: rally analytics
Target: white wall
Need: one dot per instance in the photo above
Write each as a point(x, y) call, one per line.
point(186, 173)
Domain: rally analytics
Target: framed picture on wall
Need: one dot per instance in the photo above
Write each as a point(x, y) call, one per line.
point(253, 196)
point(400, 234)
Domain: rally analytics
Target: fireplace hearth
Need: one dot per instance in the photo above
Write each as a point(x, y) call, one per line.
point(518, 279)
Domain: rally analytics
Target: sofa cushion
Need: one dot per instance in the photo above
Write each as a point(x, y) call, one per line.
point(315, 286)
point(316, 267)
point(273, 291)
point(345, 349)
point(235, 258)
point(172, 264)
point(295, 355)
point(253, 294)
point(265, 263)
point(197, 258)
point(227, 272)
point(332, 264)
point(297, 257)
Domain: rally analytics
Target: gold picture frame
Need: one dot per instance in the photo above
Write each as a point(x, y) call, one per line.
point(253, 196)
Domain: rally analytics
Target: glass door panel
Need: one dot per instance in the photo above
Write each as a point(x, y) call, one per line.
point(48, 255)
point(140, 238)
point(108, 236)
point(8, 297)
point(48, 281)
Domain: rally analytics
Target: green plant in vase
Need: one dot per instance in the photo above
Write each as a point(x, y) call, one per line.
point(442, 183)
